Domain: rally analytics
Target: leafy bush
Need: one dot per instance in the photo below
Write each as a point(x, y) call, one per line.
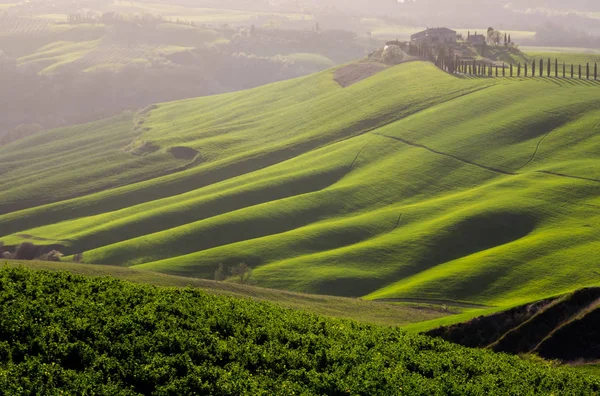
point(243, 272)
point(26, 251)
point(80, 335)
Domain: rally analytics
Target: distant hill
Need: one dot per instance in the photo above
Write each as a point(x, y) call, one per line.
point(409, 184)
point(85, 65)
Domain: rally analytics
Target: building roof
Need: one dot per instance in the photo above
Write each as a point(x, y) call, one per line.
point(476, 37)
point(439, 30)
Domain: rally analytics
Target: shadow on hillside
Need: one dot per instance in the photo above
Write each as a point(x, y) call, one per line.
point(189, 180)
point(461, 239)
point(560, 81)
point(225, 233)
point(564, 328)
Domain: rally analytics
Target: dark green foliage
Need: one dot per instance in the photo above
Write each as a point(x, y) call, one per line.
point(102, 336)
point(587, 71)
point(26, 251)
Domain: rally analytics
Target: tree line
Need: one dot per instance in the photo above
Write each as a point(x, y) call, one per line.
point(538, 68)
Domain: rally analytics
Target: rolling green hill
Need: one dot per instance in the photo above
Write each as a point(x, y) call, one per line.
point(410, 184)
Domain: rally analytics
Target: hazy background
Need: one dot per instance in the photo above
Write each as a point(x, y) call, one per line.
point(65, 62)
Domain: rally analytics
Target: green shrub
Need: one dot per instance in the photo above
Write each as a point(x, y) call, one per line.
point(26, 251)
point(62, 332)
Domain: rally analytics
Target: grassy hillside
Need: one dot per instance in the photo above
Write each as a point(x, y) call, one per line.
point(411, 184)
point(82, 335)
point(388, 314)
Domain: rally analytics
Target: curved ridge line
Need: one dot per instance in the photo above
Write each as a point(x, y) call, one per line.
point(409, 143)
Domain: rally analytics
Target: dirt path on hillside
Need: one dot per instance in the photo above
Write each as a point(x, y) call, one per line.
point(355, 72)
point(431, 301)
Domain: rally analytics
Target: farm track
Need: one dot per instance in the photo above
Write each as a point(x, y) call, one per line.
point(417, 145)
point(488, 168)
point(432, 301)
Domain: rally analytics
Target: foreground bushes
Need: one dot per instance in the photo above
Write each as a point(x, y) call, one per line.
point(104, 336)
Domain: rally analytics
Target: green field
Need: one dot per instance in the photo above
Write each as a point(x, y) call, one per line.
point(411, 184)
point(71, 334)
point(53, 48)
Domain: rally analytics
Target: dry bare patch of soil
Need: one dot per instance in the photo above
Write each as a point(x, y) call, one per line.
point(355, 72)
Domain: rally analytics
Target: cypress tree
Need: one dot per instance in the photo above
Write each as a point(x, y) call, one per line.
point(580, 72)
point(526, 66)
point(533, 69)
point(509, 40)
point(503, 70)
point(548, 74)
point(595, 71)
point(511, 69)
point(541, 68)
point(572, 71)
point(556, 67)
point(519, 70)
point(587, 71)
point(496, 70)
point(564, 70)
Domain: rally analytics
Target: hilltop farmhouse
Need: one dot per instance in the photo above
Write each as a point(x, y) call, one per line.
point(435, 36)
point(476, 39)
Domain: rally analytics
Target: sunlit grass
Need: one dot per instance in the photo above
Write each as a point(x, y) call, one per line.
point(409, 184)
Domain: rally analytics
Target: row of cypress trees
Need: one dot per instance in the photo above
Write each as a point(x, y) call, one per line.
point(537, 69)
